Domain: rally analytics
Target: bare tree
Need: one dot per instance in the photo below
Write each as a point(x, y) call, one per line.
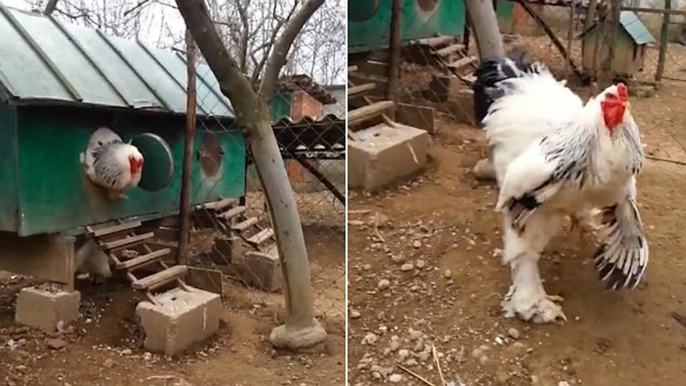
point(301, 330)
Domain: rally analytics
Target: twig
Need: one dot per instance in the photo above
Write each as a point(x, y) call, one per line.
point(376, 227)
point(652, 157)
point(412, 373)
point(438, 364)
point(360, 211)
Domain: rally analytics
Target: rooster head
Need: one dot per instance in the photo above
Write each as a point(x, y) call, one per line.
point(135, 162)
point(613, 103)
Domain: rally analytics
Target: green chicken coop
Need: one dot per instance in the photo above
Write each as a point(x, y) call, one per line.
point(369, 21)
point(58, 84)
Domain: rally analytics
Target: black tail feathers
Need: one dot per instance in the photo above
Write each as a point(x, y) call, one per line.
point(489, 73)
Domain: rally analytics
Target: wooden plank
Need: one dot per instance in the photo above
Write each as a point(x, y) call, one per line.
point(420, 117)
point(365, 113)
point(159, 279)
point(47, 257)
point(463, 62)
point(233, 212)
point(127, 241)
point(240, 227)
point(451, 49)
point(353, 91)
point(261, 236)
point(100, 232)
point(436, 41)
point(219, 205)
point(143, 260)
point(352, 69)
point(655, 10)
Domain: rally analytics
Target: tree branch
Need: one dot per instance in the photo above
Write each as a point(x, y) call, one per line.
point(232, 82)
point(277, 59)
point(50, 7)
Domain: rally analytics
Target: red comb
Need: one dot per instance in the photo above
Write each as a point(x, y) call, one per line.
point(622, 91)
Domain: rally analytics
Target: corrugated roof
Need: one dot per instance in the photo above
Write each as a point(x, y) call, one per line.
point(45, 61)
point(635, 28)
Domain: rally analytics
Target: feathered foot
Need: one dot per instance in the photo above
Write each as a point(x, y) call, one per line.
point(527, 298)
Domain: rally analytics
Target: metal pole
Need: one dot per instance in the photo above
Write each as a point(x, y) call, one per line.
point(663, 42)
point(189, 133)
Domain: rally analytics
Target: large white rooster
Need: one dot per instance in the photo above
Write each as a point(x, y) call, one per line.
point(555, 157)
point(112, 164)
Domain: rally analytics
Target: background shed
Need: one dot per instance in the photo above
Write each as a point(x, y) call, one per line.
point(631, 42)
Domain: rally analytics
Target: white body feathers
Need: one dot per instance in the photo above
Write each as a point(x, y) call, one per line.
point(106, 162)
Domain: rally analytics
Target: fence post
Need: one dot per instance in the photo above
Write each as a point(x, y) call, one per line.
point(663, 42)
point(394, 46)
point(189, 132)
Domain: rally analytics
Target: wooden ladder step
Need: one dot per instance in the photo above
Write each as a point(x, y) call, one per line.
point(127, 241)
point(159, 279)
point(368, 112)
point(354, 91)
point(219, 205)
point(233, 212)
point(437, 40)
point(352, 68)
point(110, 230)
point(241, 226)
point(261, 236)
point(463, 62)
point(451, 49)
point(143, 260)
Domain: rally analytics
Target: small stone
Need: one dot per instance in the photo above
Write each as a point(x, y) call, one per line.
point(513, 333)
point(108, 363)
point(370, 338)
point(56, 343)
point(147, 356)
point(476, 353)
point(395, 378)
point(354, 314)
point(126, 351)
point(395, 345)
point(483, 359)
point(403, 353)
point(421, 264)
point(563, 383)
point(417, 244)
point(448, 274)
point(407, 267)
point(383, 284)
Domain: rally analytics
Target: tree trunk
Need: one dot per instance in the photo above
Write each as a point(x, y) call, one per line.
point(485, 28)
point(489, 41)
point(301, 330)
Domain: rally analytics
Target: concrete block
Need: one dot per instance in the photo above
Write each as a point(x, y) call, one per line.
point(381, 154)
point(181, 319)
point(262, 270)
point(45, 309)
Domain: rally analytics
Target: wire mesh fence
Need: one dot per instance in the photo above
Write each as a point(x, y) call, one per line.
point(235, 235)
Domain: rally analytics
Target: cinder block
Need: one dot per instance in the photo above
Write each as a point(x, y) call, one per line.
point(262, 270)
point(226, 249)
point(45, 309)
point(381, 154)
point(180, 319)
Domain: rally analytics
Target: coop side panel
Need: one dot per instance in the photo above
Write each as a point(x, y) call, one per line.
point(369, 21)
point(8, 168)
point(55, 194)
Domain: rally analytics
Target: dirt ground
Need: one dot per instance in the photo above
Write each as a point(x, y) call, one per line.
point(424, 269)
point(104, 347)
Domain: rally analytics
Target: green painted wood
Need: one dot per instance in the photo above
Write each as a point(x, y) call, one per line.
point(54, 194)
point(8, 168)
point(280, 106)
point(369, 22)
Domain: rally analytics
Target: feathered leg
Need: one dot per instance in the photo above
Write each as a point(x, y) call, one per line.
point(527, 298)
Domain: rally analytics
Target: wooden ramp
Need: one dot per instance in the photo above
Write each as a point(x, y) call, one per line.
point(450, 55)
point(132, 252)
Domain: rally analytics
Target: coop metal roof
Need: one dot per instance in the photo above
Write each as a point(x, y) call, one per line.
point(635, 28)
point(45, 61)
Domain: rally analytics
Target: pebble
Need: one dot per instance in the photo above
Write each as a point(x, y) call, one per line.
point(448, 274)
point(383, 284)
point(563, 383)
point(421, 264)
point(354, 314)
point(395, 345)
point(395, 378)
point(513, 333)
point(407, 267)
point(403, 353)
point(417, 244)
point(370, 338)
point(56, 343)
point(108, 363)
